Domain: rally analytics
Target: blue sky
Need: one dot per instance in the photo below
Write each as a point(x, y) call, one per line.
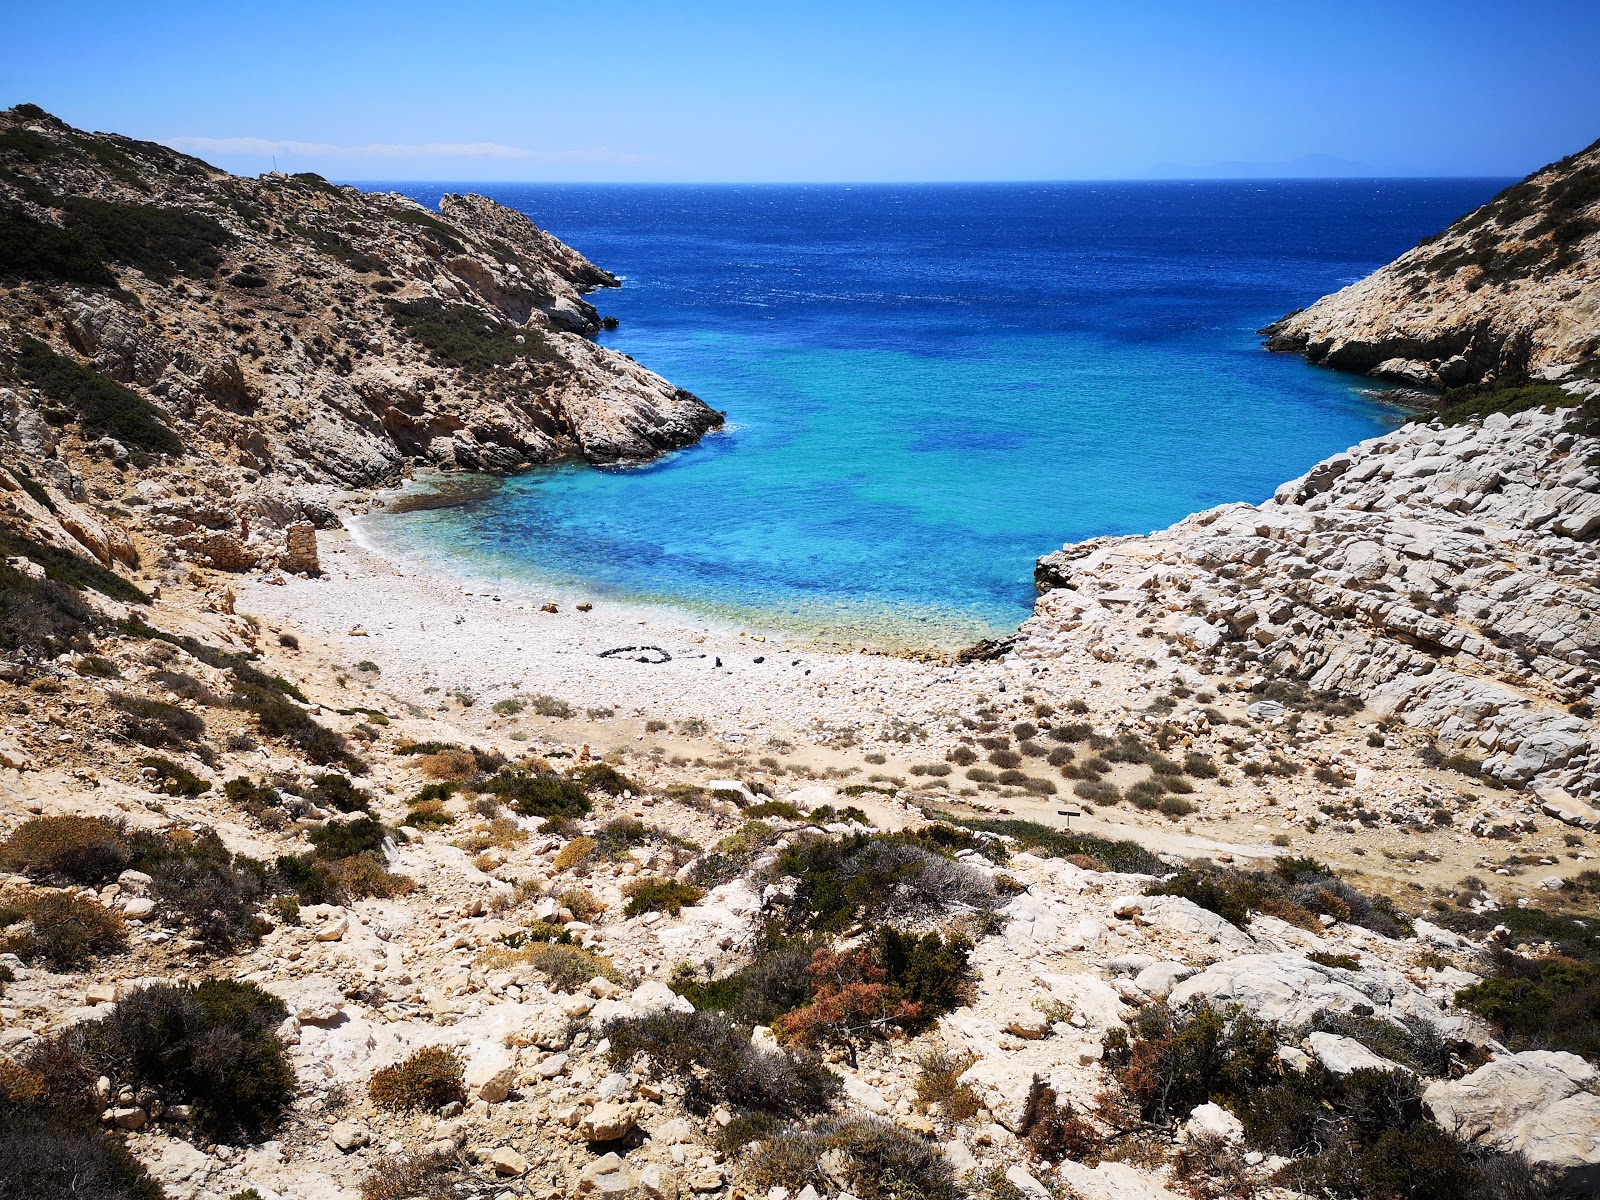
point(768, 91)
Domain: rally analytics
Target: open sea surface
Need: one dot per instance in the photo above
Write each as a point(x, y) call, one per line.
point(929, 386)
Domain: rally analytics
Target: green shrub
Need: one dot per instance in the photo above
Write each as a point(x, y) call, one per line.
point(930, 970)
point(211, 1044)
point(257, 799)
point(603, 777)
point(1146, 793)
point(542, 794)
point(84, 850)
point(873, 878)
point(428, 814)
point(1550, 1003)
point(464, 336)
point(1410, 1042)
point(776, 981)
point(1169, 1062)
point(277, 717)
point(51, 1154)
point(732, 856)
point(96, 666)
point(711, 1057)
point(429, 1079)
point(1295, 891)
point(309, 878)
point(1096, 791)
point(345, 839)
point(848, 814)
point(781, 809)
point(879, 1159)
point(195, 878)
point(102, 407)
point(1346, 962)
point(1104, 854)
point(155, 723)
point(1175, 807)
point(65, 931)
point(435, 793)
point(658, 895)
point(61, 567)
point(173, 779)
point(338, 792)
point(1510, 396)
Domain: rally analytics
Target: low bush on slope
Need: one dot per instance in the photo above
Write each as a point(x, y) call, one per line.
point(1297, 890)
point(102, 407)
point(710, 1055)
point(1361, 1136)
point(211, 1045)
point(875, 878)
point(1547, 998)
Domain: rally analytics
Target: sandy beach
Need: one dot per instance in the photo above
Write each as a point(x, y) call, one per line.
point(429, 631)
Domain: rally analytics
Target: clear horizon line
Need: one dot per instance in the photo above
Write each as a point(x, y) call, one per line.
point(918, 182)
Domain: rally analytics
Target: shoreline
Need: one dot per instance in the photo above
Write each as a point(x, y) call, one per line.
point(881, 628)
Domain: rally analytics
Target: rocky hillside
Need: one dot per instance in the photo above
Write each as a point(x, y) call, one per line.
point(1511, 289)
point(287, 330)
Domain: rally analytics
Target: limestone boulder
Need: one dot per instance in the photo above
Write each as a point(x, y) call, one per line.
point(1540, 1102)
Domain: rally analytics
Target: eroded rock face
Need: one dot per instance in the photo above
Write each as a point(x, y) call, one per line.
point(1443, 574)
point(1541, 1102)
point(1491, 295)
point(298, 344)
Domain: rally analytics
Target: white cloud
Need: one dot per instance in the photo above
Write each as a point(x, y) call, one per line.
point(478, 150)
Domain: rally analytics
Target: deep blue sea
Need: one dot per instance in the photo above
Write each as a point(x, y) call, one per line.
point(929, 386)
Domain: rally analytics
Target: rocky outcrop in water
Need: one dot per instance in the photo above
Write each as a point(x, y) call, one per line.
point(1511, 289)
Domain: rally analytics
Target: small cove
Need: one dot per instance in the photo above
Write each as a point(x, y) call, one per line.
point(928, 387)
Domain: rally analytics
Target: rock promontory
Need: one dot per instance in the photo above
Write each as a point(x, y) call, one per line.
point(1511, 289)
point(287, 328)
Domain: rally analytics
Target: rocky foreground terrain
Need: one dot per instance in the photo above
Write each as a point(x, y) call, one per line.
point(1259, 864)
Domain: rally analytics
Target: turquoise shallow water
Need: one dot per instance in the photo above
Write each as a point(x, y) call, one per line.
point(929, 387)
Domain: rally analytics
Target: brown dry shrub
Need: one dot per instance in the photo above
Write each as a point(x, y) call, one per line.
point(580, 902)
point(1211, 1168)
point(1054, 1131)
point(431, 1176)
point(364, 875)
point(19, 1087)
point(574, 852)
point(63, 930)
point(455, 765)
point(501, 833)
point(878, 1160)
point(1290, 912)
point(939, 1085)
point(429, 1079)
point(568, 968)
point(71, 849)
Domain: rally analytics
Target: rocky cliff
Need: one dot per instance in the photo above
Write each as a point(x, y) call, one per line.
point(1445, 575)
point(1511, 289)
point(1442, 575)
point(288, 330)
